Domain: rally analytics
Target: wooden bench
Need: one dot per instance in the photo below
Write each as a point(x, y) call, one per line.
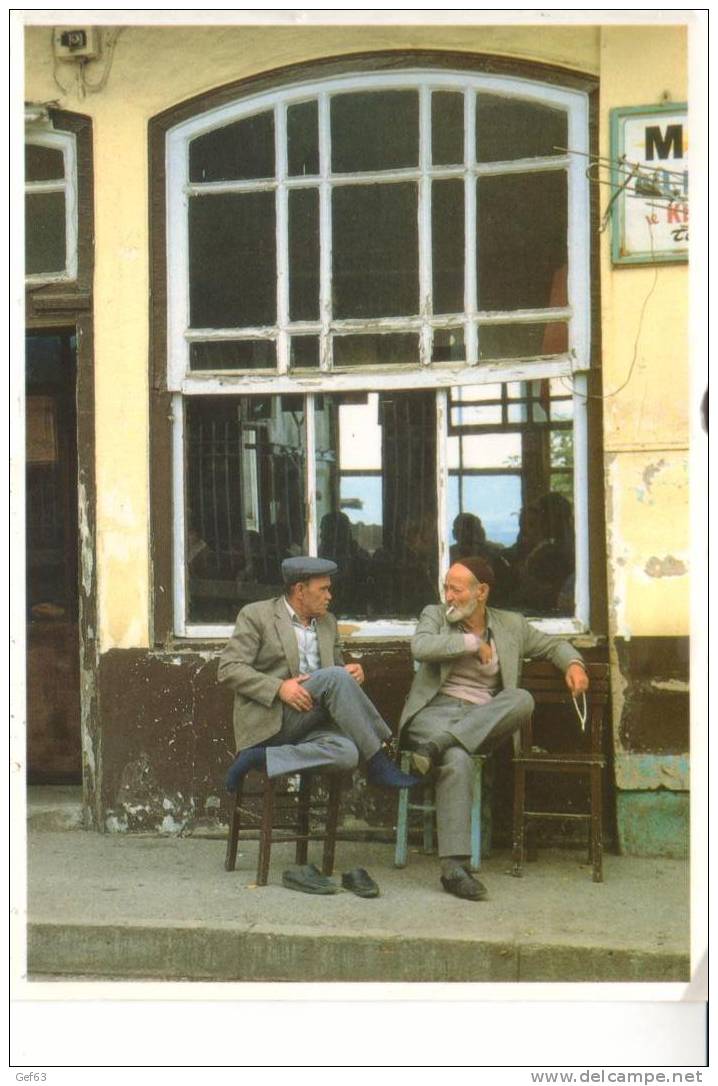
point(548, 687)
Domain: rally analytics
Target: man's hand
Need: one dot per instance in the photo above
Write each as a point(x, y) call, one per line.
point(293, 693)
point(576, 680)
point(356, 671)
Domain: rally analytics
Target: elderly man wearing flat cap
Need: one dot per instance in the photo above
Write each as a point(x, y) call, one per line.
point(297, 705)
point(465, 699)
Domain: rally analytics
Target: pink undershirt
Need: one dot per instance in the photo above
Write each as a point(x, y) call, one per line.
point(471, 680)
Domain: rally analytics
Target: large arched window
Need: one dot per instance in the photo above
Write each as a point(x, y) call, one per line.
point(378, 321)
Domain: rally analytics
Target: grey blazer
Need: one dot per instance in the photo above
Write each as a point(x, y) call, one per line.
point(261, 653)
point(437, 644)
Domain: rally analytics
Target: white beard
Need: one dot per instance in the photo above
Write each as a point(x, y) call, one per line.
point(456, 614)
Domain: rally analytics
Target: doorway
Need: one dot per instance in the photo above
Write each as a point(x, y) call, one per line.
point(53, 645)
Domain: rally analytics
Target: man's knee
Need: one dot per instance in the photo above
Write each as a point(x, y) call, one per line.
point(332, 676)
point(343, 752)
point(456, 762)
point(522, 702)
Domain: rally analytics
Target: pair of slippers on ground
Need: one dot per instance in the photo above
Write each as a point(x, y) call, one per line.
point(309, 879)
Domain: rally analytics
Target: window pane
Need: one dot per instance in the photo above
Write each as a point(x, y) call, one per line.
point(45, 246)
point(236, 152)
point(245, 354)
point(232, 260)
point(375, 250)
point(304, 254)
point(245, 499)
point(43, 163)
point(375, 130)
point(447, 128)
point(303, 139)
point(448, 345)
point(376, 501)
point(511, 497)
point(391, 349)
point(304, 352)
point(508, 128)
point(521, 245)
point(498, 341)
point(447, 233)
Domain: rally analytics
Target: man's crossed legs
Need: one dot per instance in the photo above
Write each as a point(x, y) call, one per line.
point(342, 727)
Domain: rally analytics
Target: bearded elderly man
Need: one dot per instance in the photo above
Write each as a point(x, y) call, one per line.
point(466, 699)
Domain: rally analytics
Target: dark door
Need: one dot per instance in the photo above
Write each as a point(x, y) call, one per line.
point(53, 657)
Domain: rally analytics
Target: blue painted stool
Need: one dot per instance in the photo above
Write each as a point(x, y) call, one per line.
point(428, 809)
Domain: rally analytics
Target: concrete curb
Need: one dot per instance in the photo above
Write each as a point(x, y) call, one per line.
point(193, 952)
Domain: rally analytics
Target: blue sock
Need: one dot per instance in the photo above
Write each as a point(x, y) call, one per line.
point(252, 758)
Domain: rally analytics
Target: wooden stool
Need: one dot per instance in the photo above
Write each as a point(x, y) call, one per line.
point(428, 809)
point(549, 687)
point(297, 804)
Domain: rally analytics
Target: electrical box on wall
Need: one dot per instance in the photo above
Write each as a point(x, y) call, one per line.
point(76, 43)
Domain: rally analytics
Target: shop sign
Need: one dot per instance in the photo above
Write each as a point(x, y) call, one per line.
point(649, 181)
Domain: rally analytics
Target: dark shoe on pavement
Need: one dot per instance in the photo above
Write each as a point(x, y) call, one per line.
point(252, 758)
point(309, 879)
point(461, 883)
point(360, 882)
point(383, 773)
point(425, 759)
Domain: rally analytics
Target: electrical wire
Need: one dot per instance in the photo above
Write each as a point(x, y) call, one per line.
point(585, 396)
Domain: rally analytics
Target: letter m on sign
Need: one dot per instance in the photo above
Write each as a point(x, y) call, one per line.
point(665, 146)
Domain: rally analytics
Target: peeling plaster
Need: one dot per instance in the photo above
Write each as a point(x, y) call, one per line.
point(665, 567)
point(651, 772)
point(676, 685)
point(86, 556)
point(650, 472)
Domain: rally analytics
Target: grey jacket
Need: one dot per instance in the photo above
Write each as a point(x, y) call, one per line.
point(261, 653)
point(437, 644)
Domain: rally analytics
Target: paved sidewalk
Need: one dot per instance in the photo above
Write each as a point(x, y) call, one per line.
point(165, 908)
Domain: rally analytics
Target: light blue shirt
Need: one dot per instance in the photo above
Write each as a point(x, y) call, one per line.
point(307, 641)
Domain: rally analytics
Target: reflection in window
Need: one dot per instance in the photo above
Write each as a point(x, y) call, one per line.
point(375, 250)
point(236, 152)
point(511, 491)
point(45, 241)
point(232, 259)
point(521, 244)
point(374, 130)
point(509, 128)
point(376, 501)
point(245, 499)
point(50, 206)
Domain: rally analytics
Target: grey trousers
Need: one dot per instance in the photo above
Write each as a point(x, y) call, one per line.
point(342, 726)
point(478, 729)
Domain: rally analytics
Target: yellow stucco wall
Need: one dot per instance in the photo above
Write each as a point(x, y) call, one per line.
point(646, 423)
point(156, 67)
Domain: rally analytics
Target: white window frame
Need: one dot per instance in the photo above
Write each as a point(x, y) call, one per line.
point(65, 142)
point(571, 366)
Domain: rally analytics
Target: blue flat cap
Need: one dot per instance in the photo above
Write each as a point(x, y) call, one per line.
point(302, 567)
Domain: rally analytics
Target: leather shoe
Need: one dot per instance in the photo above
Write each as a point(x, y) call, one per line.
point(461, 883)
point(309, 879)
point(383, 773)
point(425, 759)
point(360, 882)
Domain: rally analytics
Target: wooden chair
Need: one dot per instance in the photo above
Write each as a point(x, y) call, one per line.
point(427, 807)
point(548, 687)
point(295, 810)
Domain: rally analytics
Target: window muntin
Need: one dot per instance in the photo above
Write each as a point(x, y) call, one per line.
point(448, 341)
point(431, 283)
point(50, 206)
